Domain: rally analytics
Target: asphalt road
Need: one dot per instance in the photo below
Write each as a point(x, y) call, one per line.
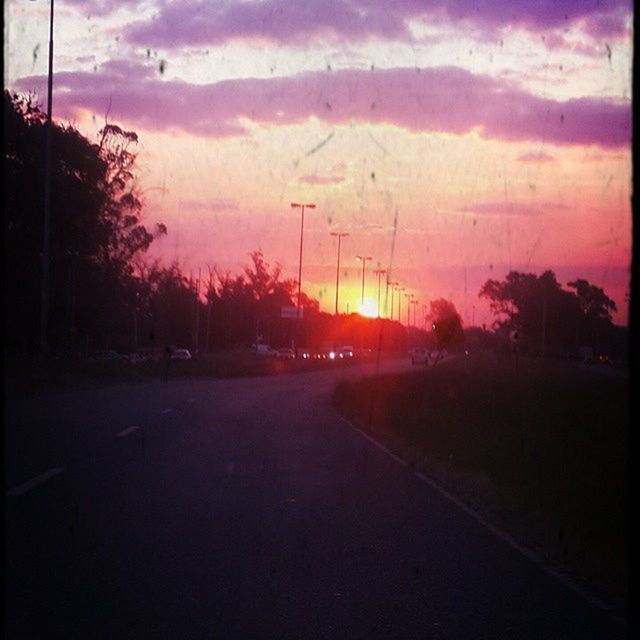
point(248, 509)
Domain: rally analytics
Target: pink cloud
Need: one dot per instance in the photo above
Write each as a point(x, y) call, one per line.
point(501, 208)
point(445, 99)
point(215, 204)
point(535, 157)
point(316, 179)
point(290, 21)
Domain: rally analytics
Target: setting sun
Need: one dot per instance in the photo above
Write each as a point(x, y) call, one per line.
point(368, 309)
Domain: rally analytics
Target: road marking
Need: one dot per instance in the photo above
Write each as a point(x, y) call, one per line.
point(190, 400)
point(505, 537)
point(127, 431)
point(380, 446)
point(168, 410)
point(34, 482)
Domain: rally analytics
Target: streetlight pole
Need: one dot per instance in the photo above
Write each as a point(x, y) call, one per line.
point(400, 290)
point(44, 293)
point(408, 296)
point(295, 205)
point(415, 304)
point(363, 259)
point(379, 273)
point(339, 236)
point(393, 286)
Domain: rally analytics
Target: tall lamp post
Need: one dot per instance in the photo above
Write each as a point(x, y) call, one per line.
point(338, 235)
point(415, 304)
point(408, 296)
point(400, 290)
point(393, 286)
point(379, 273)
point(363, 259)
point(296, 205)
point(44, 292)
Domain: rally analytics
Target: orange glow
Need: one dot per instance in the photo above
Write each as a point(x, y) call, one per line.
point(368, 309)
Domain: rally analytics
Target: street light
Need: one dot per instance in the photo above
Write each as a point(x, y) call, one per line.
point(400, 290)
point(415, 304)
point(408, 296)
point(295, 205)
point(393, 286)
point(338, 235)
point(379, 273)
point(44, 292)
point(363, 259)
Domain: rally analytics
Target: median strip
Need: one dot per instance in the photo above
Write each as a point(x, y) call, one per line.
point(34, 482)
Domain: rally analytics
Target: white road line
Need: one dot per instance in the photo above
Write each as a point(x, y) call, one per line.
point(34, 482)
point(399, 460)
point(126, 432)
point(505, 537)
point(168, 410)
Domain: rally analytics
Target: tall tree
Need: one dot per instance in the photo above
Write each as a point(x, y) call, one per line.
point(96, 227)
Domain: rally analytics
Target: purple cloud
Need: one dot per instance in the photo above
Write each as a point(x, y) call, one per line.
point(290, 21)
point(535, 157)
point(445, 99)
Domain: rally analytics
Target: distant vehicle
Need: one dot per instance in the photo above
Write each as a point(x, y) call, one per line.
point(286, 354)
point(326, 354)
point(264, 350)
point(420, 355)
point(109, 356)
point(305, 354)
point(181, 354)
point(345, 352)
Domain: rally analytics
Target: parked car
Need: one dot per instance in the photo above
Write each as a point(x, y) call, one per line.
point(420, 355)
point(286, 354)
point(181, 354)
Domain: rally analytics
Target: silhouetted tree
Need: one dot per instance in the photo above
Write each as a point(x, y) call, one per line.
point(446, 324)
point(95, 229)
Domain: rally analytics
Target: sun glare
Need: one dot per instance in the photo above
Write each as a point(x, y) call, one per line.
point(368, 309)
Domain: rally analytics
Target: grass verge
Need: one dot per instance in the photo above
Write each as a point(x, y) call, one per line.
point(538, 446)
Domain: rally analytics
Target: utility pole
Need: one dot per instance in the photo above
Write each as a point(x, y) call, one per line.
point(44, 293)
point(379, 273)
point(415, 304)
point(296, 205)
point(339, 236)
point(400, 290)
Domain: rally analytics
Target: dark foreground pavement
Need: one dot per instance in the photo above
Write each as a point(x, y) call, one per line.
point(248, 509)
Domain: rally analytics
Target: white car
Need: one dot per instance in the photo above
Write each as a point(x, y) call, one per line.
point(181, 354)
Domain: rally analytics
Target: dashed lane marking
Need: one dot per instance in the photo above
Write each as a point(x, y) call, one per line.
point(127, 431)
point(34, 482)
point(167, 410)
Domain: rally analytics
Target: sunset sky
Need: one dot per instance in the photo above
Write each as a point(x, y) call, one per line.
point(453, 140)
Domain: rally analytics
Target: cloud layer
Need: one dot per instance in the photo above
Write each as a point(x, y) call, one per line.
point(446, 99)
point(293, 22)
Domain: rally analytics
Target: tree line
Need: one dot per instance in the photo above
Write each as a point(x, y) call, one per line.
point(107, 293)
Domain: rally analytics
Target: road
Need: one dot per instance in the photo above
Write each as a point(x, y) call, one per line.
point(248, 509)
